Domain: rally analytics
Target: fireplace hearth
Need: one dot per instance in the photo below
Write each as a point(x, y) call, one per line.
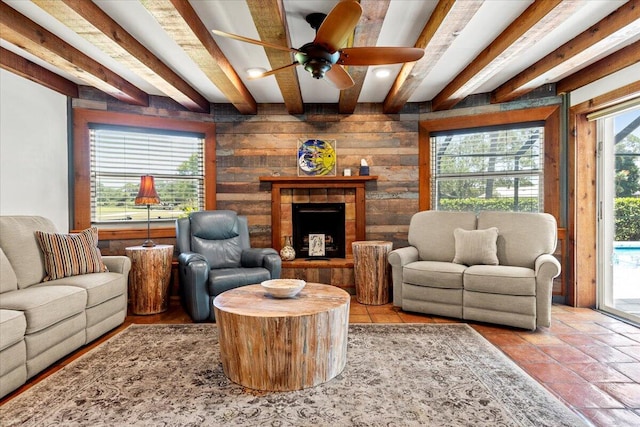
point(317, 225)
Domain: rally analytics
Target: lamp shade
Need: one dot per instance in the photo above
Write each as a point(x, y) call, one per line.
point(147, 194)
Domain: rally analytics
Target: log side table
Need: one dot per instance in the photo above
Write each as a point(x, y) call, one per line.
point(149, 278)
point(372, 271)
point(282, 344)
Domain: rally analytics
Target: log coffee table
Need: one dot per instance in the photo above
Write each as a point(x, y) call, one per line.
point(282, 344)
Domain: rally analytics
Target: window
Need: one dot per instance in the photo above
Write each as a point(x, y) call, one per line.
point(121, 154)
point(491, 168)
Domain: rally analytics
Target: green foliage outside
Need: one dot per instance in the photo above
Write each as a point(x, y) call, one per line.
point(627, 182)
point(525, 204)
point(627, 223)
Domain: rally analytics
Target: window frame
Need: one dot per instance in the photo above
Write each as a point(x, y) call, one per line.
point(485, 174)
point(550, 115)
point(81, 183)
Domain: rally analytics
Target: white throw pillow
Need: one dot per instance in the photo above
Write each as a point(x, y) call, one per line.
point(476, 246)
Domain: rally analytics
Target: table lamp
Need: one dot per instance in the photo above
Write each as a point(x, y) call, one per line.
point(147, 196)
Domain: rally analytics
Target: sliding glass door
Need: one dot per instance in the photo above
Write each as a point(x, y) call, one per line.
point(619, 214)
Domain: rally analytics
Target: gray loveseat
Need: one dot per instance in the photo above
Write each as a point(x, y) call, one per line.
point(503, 271)
point(41, 322)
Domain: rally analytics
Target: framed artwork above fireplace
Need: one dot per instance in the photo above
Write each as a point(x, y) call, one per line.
point(317, 157)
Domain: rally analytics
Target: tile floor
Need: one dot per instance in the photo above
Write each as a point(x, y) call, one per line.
point(589, 360)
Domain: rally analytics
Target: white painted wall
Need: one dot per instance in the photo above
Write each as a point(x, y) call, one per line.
point(33, 150)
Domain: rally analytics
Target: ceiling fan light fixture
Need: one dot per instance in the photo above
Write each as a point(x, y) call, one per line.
point(317, 67)
point(382, 73)
point(255, 72)
point(325, 56)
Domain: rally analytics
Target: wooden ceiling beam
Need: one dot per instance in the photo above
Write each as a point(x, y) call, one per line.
point(31, 37)
point(622, 24)
point(617, 61)
point(89, 21)
point(270, 21)
point(534, 23)
point(366, 34)
point(448, 18)
point(36, 73)
point(181, 22)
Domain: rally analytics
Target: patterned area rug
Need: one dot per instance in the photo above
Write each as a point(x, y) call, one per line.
point(396, 375)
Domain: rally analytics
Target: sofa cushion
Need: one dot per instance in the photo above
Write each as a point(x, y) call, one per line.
point(100, 287)
point(434, 274)
point(500, 279)
point(18, 241)
point(523, 236)
point(13, 326)
point(476, 246)
point(45, 305)
point(8, 279)
point(431, 232)
point(70, 254)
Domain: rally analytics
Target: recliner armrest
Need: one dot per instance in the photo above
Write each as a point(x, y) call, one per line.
point(262, 257)
point(186, 258)
point(193, 269)
point(403, 256)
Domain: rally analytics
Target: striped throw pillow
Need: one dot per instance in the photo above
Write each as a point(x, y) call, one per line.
point(70, 254)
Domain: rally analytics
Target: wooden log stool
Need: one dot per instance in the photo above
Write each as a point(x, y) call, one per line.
point(372, 271)
point(149, 278)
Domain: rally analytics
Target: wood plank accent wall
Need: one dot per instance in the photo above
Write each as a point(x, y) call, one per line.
point(266, 145)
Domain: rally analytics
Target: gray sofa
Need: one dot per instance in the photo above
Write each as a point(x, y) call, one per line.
point(503, 271)
point(41, 322)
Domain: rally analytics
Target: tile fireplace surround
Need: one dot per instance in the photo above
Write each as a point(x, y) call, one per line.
point(349, 190)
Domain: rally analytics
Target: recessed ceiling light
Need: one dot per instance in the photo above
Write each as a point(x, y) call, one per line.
point(382, 73)
point(255, 72)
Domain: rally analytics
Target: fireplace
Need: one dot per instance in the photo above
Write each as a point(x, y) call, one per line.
point(319, 230)
point(349, 190)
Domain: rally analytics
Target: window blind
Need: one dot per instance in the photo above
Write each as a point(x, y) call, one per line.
point(497, 168)
point(120, 155)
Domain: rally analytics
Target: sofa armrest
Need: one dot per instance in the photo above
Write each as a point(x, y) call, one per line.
point(403, 256)
point(117, 264)
point(193, 270)
point(263, 257)
point(398, 258)
point(546, 268)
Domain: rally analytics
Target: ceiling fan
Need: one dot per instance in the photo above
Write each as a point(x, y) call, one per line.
point(325, 56)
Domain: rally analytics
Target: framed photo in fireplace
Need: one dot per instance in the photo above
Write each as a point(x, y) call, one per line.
point(316, 245)
point(317, 157)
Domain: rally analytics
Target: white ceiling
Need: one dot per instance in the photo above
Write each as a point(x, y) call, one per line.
point(403, 23)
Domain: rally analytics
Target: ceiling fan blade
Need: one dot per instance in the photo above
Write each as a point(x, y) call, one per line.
point(339, 77)
point(275, 70)
point(338, 26)
point(379, 55)
point(253, 41)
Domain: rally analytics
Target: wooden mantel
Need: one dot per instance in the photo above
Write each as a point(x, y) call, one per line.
point(345, 182)
point(318, 181)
